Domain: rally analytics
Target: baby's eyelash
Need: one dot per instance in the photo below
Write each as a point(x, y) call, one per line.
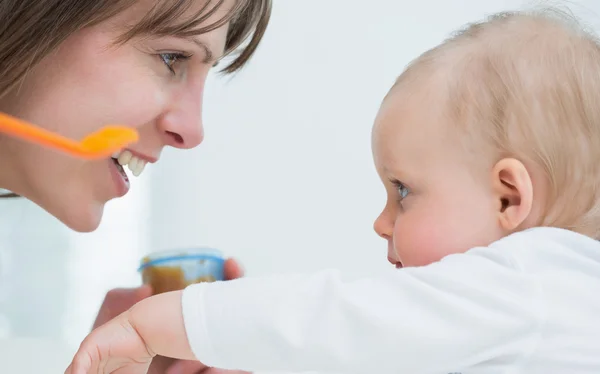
point(401, 188)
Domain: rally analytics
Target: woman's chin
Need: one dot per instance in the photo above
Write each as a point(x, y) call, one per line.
point(81, 218)
point(75, 208)
point(83, 227)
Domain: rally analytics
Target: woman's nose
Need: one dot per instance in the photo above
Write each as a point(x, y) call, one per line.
point(181, 124)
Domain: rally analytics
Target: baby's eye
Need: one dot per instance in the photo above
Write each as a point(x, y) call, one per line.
point(402, 189)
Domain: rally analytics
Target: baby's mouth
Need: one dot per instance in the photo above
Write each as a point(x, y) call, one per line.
point(396, 263)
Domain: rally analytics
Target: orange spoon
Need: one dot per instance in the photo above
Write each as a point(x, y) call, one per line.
point(100, 144)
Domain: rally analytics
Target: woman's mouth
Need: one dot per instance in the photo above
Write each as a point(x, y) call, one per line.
point(120, 169)
point(135, 164)
point(118, 162)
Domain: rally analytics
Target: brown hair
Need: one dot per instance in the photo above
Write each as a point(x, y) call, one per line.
point(527, 85)
point(31, 29)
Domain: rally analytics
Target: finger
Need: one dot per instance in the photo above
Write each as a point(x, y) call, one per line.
point(186, 367)
point(223, 371)
point(141, 368)
point(118, 301)
point(127, 295)
point(160, 365)
point(143, 292)
point(80, 364)
point(233, 269)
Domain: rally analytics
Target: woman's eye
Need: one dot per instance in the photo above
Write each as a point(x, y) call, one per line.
point(171, 60)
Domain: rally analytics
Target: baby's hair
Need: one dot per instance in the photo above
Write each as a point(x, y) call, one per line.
point(526, 84)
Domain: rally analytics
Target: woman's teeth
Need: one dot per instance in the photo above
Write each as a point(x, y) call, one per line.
point(135, 164)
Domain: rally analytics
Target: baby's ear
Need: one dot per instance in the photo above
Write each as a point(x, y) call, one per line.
point(513, 190)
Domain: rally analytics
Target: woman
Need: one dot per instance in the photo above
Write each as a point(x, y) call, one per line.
point(73, 66)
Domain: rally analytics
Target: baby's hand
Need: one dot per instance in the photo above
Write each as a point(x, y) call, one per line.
point(115, 347)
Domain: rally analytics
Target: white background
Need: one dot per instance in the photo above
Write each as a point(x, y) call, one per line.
point(284, 180)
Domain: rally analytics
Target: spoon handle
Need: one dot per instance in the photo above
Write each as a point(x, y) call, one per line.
point(20, 129)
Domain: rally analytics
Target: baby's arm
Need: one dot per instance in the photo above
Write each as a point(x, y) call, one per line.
point(467, 311)
point(159, 322)
point(127, 343)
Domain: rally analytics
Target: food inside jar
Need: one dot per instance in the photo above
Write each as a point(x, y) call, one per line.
point(170, 278)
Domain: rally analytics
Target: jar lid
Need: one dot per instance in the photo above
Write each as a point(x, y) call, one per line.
point(198, 253)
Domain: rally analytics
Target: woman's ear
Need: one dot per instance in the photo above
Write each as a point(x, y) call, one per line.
point(513, 190)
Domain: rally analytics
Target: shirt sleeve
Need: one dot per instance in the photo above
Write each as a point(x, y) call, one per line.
point(466, 311)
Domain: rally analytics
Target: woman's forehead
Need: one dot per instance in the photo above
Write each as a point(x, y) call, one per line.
point(242, 20)
point(168, 17)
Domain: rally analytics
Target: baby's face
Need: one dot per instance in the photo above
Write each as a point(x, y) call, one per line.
point(436, 203)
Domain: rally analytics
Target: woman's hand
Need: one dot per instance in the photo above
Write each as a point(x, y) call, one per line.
point(195, 367)
point(119, 300)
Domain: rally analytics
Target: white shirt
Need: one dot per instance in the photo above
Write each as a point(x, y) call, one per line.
point(528, 303)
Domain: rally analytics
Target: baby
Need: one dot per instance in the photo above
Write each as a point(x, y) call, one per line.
point(489, 149)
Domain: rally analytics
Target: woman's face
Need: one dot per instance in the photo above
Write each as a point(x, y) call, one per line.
point(153, 84)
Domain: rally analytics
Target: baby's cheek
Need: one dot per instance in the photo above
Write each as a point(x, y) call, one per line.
point(424, 239)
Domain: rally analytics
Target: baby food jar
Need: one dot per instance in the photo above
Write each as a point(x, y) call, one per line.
point(174, 270)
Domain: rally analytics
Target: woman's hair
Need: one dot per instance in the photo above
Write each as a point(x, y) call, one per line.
point(31, 29)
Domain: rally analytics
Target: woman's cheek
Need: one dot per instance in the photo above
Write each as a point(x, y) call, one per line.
point(141, 107)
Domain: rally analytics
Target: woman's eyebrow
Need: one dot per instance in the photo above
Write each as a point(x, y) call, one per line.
point(208, 53)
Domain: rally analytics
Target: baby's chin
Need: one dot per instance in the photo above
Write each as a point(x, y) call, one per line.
point(421, 260)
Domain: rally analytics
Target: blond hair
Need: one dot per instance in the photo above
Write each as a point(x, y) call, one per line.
point(527, 85)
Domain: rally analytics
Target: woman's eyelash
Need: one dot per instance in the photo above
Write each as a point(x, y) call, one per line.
point(171, 59)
